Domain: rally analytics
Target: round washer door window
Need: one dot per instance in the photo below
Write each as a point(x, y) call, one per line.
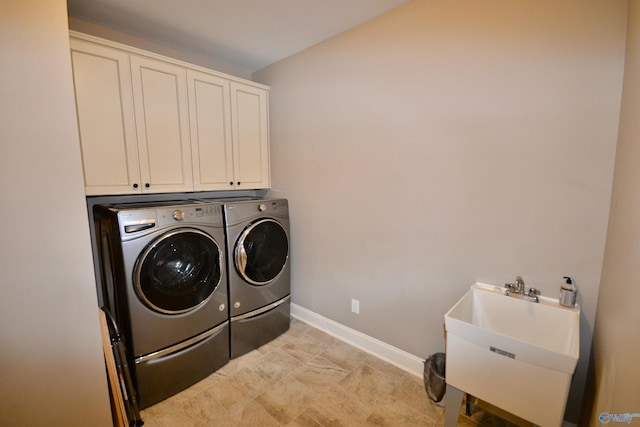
point(261, 251)
point(179, 271)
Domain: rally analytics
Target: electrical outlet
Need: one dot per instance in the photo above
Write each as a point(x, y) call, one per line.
point(355, 306)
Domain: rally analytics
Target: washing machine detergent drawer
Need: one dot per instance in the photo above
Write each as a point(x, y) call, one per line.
point(161, 377)
point(257, 328)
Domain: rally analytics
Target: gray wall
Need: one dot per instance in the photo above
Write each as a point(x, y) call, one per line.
point(52, 370)
point(617, 337)
point(445, 143)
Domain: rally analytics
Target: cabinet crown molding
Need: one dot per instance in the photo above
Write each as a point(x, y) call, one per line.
point(137, 51)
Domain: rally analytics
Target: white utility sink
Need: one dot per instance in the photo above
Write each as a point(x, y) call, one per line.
point(516, 354)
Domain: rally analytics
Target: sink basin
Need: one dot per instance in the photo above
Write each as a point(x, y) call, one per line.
point(515, 354)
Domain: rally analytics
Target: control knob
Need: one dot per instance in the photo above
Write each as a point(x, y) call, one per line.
point(178, 215)
point(262, 207)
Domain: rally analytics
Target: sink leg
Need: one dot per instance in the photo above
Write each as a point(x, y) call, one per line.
point(453, 401)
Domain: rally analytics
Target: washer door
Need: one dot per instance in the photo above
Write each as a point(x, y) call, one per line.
point(261, 251)
point(179, 271)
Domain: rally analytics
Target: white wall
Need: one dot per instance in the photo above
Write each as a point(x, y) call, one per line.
point(617, 338)
point(445, 143)
point(51, 363)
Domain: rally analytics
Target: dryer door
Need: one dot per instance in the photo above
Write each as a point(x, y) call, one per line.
point(179, 271)
point(261, 251)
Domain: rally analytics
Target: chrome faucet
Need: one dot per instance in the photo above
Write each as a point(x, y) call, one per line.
point(517, 289)
point(519, 285)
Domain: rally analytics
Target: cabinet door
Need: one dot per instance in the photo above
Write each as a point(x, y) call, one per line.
point(210, 124)
point(250, 132)
point(160, 102)
point(105, 119)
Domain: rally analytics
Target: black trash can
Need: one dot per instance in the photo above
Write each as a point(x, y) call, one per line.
point(434, 377)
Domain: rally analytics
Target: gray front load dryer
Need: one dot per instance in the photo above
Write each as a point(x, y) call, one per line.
point(164, 279)
point(258, 270)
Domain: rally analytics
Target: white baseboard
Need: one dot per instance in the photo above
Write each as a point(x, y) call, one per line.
point(400, 358)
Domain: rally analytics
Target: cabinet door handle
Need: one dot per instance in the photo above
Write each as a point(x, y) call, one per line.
point(238, 182)
point(230, 182)
point(135, 185)
point(147, 185)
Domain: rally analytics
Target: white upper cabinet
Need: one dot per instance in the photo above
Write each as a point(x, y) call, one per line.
point(249, 106)
point(229, 133)
point(210, 120)
point(105, 117)
point(162, 123)
point(151, 124)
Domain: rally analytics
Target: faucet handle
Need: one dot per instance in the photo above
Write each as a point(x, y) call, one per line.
point(533, 292)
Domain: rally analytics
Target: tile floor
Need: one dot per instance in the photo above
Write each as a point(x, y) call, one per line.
point(306, 378)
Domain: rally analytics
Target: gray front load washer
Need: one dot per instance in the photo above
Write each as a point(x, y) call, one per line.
point(163, 274)
point(257, 233)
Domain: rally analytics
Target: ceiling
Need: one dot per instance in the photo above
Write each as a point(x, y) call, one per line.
point(244, 34)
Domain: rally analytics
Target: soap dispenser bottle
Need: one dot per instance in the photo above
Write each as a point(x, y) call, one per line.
point(568, 292)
